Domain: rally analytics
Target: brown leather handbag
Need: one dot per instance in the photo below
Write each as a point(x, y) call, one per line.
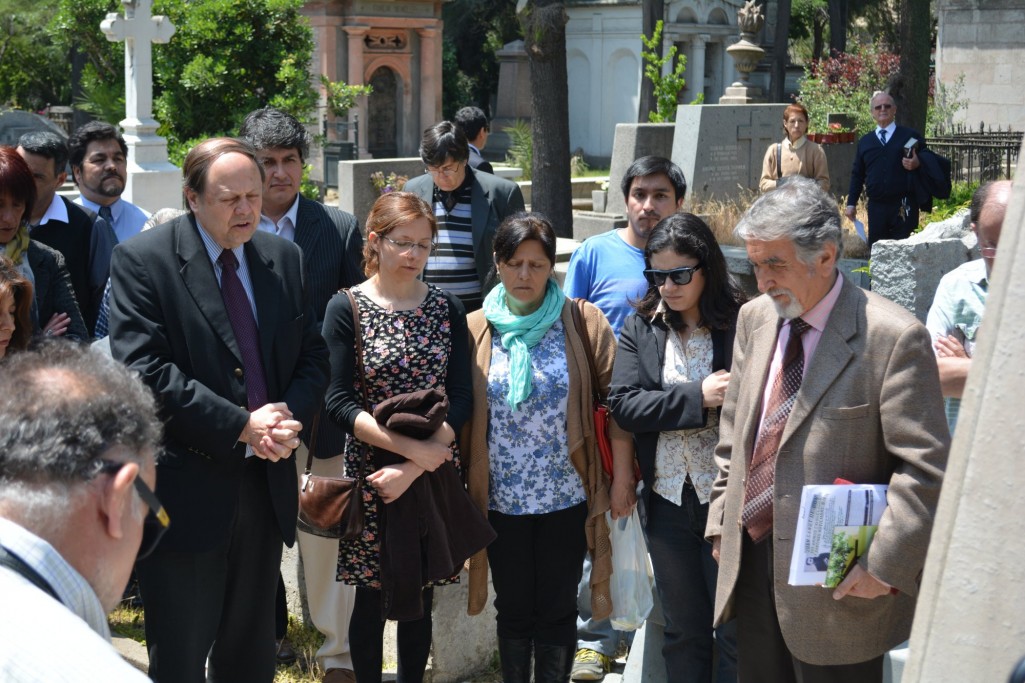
point(332, 507)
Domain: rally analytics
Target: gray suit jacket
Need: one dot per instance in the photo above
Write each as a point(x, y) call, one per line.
point(870, 411)
point(492, 200)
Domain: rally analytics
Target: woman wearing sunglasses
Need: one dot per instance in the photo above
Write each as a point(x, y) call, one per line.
point(670, 377)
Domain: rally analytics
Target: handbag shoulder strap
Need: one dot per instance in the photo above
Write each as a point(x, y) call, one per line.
point(358, 337)
point(779, 159)
point(578, 322)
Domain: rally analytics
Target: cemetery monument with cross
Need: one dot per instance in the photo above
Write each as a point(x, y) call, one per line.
point(153, 182)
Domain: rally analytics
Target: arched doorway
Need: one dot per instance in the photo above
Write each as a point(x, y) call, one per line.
point(383, 108)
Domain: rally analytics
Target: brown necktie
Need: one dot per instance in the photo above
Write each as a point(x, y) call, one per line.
point(757, 514)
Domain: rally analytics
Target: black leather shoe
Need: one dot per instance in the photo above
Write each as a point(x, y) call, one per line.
point(284, 652)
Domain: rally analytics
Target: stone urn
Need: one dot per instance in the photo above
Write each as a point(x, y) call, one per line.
point(746, 54)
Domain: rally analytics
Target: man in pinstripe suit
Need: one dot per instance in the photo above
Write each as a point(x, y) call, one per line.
point(333, 252)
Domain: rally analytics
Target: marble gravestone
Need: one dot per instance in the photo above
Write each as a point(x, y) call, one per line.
point(720, 147)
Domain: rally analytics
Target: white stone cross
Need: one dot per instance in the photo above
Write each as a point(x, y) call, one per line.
point(139, 30)
point(153, 182)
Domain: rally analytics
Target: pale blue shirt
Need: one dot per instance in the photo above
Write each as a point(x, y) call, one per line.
point(957, 309)
point(285, 227)
point(46, 641)
point(213, 250)
point(128, 218)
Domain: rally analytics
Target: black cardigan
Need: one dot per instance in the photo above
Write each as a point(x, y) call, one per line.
point(637, 399)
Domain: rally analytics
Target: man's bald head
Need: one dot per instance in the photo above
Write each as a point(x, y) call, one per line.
point(989, 204)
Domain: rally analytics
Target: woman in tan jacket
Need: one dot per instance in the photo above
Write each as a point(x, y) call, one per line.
point(533, 463)
point(795, 155)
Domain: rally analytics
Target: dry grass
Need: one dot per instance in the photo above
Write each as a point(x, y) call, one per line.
point(723, 215)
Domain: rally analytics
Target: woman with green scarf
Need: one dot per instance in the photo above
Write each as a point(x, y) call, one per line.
point(534, 466)
point(54, 309)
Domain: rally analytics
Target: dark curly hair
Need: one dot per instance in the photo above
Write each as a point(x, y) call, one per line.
point(687, 235)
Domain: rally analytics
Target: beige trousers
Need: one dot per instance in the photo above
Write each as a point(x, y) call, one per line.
point(330, 601)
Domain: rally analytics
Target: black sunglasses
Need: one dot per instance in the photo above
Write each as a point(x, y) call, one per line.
point(680, 276)
point(157, 521)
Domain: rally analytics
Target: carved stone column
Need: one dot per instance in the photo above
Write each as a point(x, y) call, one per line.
point(430, 77)
point(356, 35)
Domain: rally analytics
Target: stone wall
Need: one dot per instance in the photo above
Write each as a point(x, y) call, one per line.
point(984, 41)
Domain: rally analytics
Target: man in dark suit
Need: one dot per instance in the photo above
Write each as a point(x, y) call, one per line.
point(333, 253)
point(884, 165)
point(828, 381)
point(469, 207)
point(474, 123)
point(85, 239)
point(216, 317)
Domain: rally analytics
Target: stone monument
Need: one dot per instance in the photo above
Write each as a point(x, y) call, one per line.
point(153, 182)
point(969, 624)
point(746, 54)
point(720, 147)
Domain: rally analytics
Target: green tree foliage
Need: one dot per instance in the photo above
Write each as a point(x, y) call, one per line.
point(809, 25)
point(227, 57)
point(474, 31)
point(844, 84)
point(33, 69)
point(667, 87)
point(75, 29)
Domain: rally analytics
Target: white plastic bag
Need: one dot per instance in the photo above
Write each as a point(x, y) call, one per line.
point(632, 580)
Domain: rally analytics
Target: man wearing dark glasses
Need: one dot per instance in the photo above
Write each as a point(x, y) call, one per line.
point(78, 436)
point(883, 165)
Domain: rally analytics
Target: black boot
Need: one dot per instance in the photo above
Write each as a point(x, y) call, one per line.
point(515, 657)
point(553, 663)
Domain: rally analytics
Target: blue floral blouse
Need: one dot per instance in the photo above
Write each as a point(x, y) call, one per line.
point(531, 472)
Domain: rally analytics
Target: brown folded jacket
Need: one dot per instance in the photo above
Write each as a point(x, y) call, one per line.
point(433, 528)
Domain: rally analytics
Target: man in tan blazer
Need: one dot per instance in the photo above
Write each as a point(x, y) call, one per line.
point(866, 409)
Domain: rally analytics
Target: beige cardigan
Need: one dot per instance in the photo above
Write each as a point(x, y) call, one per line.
point(809, 160)
point(579, 431)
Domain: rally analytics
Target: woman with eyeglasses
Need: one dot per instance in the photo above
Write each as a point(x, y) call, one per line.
point(413, 337)
point(795, 155)
point(670, 377)
point(534, 467)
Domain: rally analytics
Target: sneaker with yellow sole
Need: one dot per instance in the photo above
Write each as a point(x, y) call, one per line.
point(589, 665)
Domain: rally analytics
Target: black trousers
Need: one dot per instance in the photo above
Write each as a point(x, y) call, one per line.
point(218, 603)
point(763, 656)
point(536, 563)
point(885, 222)
point(366, 639)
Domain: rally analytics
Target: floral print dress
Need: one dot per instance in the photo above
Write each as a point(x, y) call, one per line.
point(403, 351)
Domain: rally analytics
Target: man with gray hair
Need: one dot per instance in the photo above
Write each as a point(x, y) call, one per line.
point(78, 436)
point(829, 382)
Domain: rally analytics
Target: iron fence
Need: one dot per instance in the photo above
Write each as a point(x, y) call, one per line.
point(978, 155)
